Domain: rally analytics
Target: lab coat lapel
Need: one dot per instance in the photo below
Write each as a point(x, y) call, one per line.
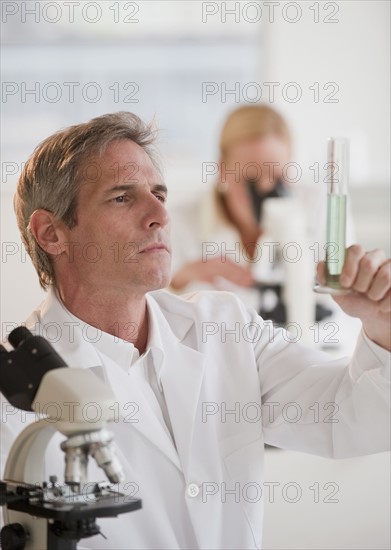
point(182, 380)
point(134, 404)
point(181, 374)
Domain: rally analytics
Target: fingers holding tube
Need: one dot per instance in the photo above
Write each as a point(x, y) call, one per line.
point(354, 255)
point(368, 273)
point(379, 288)
point(367, 269)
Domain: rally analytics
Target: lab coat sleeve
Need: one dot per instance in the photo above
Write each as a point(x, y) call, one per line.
point(316, 404)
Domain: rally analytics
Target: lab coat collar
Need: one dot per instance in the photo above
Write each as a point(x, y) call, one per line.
point(59, 324)
point(121, 351)
point(64, 329)
point(54, 322)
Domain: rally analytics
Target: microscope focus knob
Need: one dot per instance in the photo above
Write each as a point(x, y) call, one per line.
point(13, 537)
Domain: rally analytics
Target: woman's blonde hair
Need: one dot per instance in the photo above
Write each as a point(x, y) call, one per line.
point(252, 121)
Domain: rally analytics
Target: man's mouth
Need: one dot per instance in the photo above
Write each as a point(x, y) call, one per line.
point(155, 247)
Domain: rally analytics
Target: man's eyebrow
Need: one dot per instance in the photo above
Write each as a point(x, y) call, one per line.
point(160, 187)
point(130, 187)
point(117, 188)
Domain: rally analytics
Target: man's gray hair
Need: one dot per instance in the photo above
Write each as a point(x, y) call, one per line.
point(52, 176)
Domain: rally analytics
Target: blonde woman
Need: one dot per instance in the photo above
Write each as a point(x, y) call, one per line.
point(224, 241)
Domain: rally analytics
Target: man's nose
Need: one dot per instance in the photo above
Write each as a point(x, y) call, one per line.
point(155, 212)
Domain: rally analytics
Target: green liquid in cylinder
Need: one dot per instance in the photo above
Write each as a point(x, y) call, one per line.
point(335, 238)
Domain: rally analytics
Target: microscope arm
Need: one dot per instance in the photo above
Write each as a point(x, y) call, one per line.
point(25, 465)
point(25, 462)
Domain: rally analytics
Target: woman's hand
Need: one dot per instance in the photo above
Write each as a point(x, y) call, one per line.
point(209, 270)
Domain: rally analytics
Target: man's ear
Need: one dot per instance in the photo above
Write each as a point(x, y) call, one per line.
point(46, 230)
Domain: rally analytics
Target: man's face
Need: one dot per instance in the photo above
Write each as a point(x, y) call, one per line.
point(121, 240)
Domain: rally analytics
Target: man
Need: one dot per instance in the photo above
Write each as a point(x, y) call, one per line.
point(91, 208)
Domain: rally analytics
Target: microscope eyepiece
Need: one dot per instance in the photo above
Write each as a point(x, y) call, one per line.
point(3, 349)
point(22, 368)
point(18, 336)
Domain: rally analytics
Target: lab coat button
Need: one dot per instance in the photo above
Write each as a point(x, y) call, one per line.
point(192, 490)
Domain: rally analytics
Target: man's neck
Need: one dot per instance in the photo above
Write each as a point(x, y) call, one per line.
point(125, 318)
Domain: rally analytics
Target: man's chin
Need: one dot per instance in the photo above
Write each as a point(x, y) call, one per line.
point(157, 286)
point(156, 281)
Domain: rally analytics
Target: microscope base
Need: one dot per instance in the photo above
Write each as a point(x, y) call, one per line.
point(67, 521)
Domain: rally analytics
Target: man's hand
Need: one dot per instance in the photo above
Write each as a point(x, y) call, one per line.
point(368, 275)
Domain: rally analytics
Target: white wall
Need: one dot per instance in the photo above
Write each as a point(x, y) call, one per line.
point(325, 504)
point(355, 54)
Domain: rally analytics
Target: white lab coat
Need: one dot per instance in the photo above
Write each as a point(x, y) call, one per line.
point(217, 364)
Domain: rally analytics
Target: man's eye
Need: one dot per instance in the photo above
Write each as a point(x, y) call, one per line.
point(161, 198)
point(121, 199)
